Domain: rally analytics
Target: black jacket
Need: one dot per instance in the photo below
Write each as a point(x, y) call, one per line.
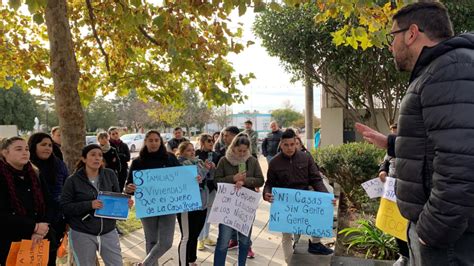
point(271, 142)
point(435, 143)
point(174, 143)
point(112, 160)
point(76, 201)
point(124, 155)
point(204, 155)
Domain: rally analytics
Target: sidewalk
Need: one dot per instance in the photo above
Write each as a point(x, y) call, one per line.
point(266, 244)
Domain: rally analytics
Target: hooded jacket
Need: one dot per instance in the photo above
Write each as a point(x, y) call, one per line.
point(435, 143)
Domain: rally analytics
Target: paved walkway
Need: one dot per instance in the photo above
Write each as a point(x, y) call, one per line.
point(266, 244)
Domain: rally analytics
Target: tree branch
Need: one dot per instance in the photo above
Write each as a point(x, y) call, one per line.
point(151, 39)
point(96, 36)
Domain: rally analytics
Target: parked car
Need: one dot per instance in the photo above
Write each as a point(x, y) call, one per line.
point(134, 141)
point(91, 140)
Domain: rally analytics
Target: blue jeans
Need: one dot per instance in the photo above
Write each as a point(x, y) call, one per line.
point(225, 234)
point(459, 253)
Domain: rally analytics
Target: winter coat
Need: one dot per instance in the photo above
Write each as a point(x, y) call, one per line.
point(435, 143)
point(271, 142)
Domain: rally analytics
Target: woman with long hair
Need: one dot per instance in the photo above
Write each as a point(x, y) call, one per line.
point(54, 173)
point(89, 234)
point(24, 201)
point(206, 154)
point(159, 230)
point(191, 223)
point(238, 153)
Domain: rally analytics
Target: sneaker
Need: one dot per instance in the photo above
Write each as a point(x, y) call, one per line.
point(250, 254)
point(209, 242)
point(319, 249)
point(201, 245)
point(118, 231)
point(402, 261)
point(233, 244)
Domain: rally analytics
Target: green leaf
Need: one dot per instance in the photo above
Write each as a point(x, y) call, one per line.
point(159, 21)
point(38, 18)
point(242, 8)
point(136, 3)
point(15, 4)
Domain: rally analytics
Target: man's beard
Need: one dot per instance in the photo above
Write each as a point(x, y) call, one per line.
point(402, 60)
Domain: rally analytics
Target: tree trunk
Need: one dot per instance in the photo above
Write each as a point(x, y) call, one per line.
point(309, 110)
point(65, 75)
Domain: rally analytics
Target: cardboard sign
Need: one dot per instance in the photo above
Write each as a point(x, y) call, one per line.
point(115, 205)
point(21, 253)
point(165, 191)
point(302, 212)
point(390, 221)
point(374, 188)
point(234, 208)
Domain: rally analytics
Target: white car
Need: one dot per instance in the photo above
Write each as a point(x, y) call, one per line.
point(134, 141)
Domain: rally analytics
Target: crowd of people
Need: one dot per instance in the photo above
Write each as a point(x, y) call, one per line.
point(43, 200)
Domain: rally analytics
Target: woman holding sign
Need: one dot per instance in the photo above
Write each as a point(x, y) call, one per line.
point(238, 167)
point(159, 230)
point(24, 200)
point(191, 223)
point(88, 233)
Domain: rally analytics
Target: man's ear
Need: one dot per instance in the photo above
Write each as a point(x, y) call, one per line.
point(412, 34)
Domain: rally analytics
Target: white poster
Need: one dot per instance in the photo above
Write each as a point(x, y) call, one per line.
point(374, 188)
point(234, 208)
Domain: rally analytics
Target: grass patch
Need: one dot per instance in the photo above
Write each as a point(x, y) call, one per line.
point(131, 224)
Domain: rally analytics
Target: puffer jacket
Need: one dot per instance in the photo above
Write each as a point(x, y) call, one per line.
point(435, 143)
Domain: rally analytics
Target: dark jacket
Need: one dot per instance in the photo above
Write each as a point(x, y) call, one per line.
point(225, 173)
point(57, 151)
point(112, 160)
point(124, 155)
point(174, 143)
point(151, 161)
point(271, 142)
point(253, 136)
point(296, 172)
point(76, 201)
point(15, 227)
point(435, 143)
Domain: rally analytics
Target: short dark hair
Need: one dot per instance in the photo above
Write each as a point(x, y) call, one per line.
point(232, 129)
point(248, 122)
point(177, 128)
point(431, 17)
point(288, 134)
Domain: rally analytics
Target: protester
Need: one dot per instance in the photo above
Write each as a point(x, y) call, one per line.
point(110, 154)
point(435, 142)
point(53, 172)
point(191, 223)
point(24, 201)
point(228, 134)
point(89, 234)
point(253, 136)
point(56, 136)
point(294, 169)
point(228, 172)
point(123, 153)
point(271, 142)
point(159, 230)
point(173, 143)
point(206, 154)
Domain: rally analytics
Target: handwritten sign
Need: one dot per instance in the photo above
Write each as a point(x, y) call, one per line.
point(21, 253)
point(165, 191)
point(302, 212)
point(374, 188)
point(234, 208)
point(390, 221)
point(389, 189)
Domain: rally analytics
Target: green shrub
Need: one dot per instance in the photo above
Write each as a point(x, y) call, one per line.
point(370, 240)
point(350, 165)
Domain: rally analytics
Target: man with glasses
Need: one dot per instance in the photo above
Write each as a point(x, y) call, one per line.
point(435, 142)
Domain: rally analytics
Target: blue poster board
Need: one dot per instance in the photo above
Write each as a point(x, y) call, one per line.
point(302, 212)
point(115, 205)
point(168, 190)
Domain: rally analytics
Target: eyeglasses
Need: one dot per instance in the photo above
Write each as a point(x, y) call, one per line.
point(391, 35)
point(209, 141)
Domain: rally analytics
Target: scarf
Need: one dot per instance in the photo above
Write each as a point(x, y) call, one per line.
point(234, 159)
point(105, 148)
point(115, 143)
point(9, 173)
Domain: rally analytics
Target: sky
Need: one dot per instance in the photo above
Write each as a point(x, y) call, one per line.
point(272, 86)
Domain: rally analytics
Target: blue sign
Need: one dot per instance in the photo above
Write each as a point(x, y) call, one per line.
point(115, 205)
point(302, 212)
point(168, 190)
